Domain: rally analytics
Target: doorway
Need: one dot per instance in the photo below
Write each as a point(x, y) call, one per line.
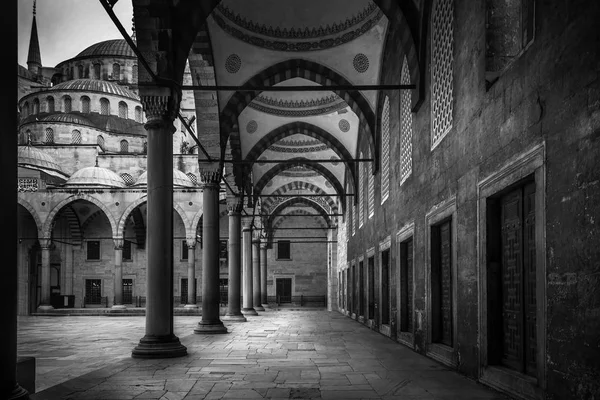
point(283, 290)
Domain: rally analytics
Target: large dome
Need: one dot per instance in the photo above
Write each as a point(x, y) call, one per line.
point(179, 179)
point(30, 157)
point(95, 176)
point(115, 47)
point(95, 85)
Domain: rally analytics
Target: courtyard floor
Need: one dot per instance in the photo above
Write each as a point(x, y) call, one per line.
point(279, 355)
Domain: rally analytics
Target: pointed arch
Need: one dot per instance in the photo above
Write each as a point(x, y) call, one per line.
point(295, 201)
point(131, 207)
point(34, 215)
point(299, 185)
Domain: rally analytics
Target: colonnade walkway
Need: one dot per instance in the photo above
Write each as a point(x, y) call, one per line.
point(278, 354)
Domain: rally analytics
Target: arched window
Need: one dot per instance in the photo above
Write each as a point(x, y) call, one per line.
point(116, 72)
point(385, 149)
point(361, 192)
point(75, 137)
point(134, 73)
point(28, 138)
point(138, 114)
point(123, 111)
point(124, 146)
point(80, 72)
point(193, 178)
point(49, 139)
point(145, 148)
point(370, 187)
point(50, 104)
point(104, 106)
point(128, 179)
point(97, 70)
point(406, 122)
point(100, 141)
point(85, 104)
point(442, 67)
point(71, 73)
point(25, 110)
point(36, 106)
point(67, 104)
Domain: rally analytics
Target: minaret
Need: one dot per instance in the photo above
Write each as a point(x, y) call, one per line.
point(34, 58)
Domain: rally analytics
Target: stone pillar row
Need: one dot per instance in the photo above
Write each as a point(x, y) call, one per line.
point(247, 262)
point(118, 281)
point(256, 282)
point(234, 313)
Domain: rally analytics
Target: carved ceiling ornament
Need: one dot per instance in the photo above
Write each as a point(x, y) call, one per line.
point(298, 113)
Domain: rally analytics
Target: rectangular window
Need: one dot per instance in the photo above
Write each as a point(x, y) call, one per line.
point(127, 291)
point(223, 249)
point(126, 250)
point(371, 282)
point(184, 290)
point(406, 286)
point(361, 289)
point(283, 250)
point(184, 250)
point(93, 291)
point(223, 290)
point(93, 249)
point(385, 287)
point(441, 283)
point(406, 122)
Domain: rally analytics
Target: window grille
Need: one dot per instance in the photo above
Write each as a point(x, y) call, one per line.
point(76, 137)
point(385, 149)
point(442, 70)
point(93, 291)
point(49, 136)
point(67, 104)
point(27, 185)
point(123, 109)
point(116, 72)
point(100, 142)
point(138, 114)
point(406, 122)
point(104, 106)
point(134, 73)
point(85, 104)
point(361, 192)
point(370, 188)
point(124, 146)
point(128, 179)
point(193, 178)
point(50, 104)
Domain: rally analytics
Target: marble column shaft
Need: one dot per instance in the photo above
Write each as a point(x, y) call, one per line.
point(256, 299)
point(191, 276)
point(45, 292)
point(263, 275)
point(118, 281)
point(247, 260)
point(234, 312)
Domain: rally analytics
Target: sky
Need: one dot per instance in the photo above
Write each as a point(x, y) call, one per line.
point(66, 27)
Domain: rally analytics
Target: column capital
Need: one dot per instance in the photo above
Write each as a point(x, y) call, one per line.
point(118, 242)
point(263, 244)
point(247, 223)
point(210, 178)
point(235, 205)
point(191, 242)
point(161, 109)
point(45, 243)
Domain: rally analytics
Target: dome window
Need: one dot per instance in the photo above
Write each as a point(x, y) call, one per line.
point(138, 114)
point(67, 104)
point(50, 104)
point(76, 137)
point(116, 72)
point(104, 106)
point(85, 104)
point(100, 142)
point(134, 73)
point(80, 71)
point(123, 111)
point(36, 106)
point(97, 71)
point(124, 146)
point(25, 110)
point(49, 139)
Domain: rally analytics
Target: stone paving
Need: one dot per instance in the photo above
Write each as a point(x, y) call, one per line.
point(277, 355)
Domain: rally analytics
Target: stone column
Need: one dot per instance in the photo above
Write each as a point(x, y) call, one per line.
point(256, 299)
point(191, 300)
point(248, 293)
point(234, 313)
point(118, 274)
point(159, 340)
point(45, 300)
point(210, 323)
point(263, 274)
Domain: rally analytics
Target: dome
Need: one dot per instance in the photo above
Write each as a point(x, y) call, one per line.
point(68, 118)
point(179, 179)
point(95, 85)
point(30, 157)
point(95, 176)
point(108, 48)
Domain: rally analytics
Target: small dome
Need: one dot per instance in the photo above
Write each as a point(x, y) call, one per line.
point(179, 179)
point(68, 119)
point(95, 85)
point(95, 176)
point(31, 157)
point(115, 47)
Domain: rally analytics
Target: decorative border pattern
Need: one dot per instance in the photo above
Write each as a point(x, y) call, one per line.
point(282, 103)
point(279, 149)
point(298, 113)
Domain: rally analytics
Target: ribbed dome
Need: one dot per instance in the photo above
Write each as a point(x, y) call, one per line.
point(29, 156)
point(68, 118)
point(95, 85)
point(115, 47)
point(179, 179)
point(95, 176)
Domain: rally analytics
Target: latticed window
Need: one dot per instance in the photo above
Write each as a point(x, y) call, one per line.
point(442, 70)
point(385, 150)
point(36, 106)
point(134, 73)
point(116, 71)
point(104, 106)
point(27, 185)
point(370, 187)
point(122, 109)
point(50, 104)
point(138, 114)
point(361, 192)
point(124, 146)
point(76, 137)
point(49, 136)
point(128, 179)
point(67, 104)
point(97, 71)
point(100, 141)
point(348, 205)
point(406, 122)
point(85, 104)
point(193, 178)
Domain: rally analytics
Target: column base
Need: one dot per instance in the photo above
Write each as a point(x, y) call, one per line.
point(45, 308)
point(118, 307)
point(249, 311)
point(234, 318)
point(259, 308)
point(159, 347)
point(18, 393)
point(191, 306)
point(210, 327)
